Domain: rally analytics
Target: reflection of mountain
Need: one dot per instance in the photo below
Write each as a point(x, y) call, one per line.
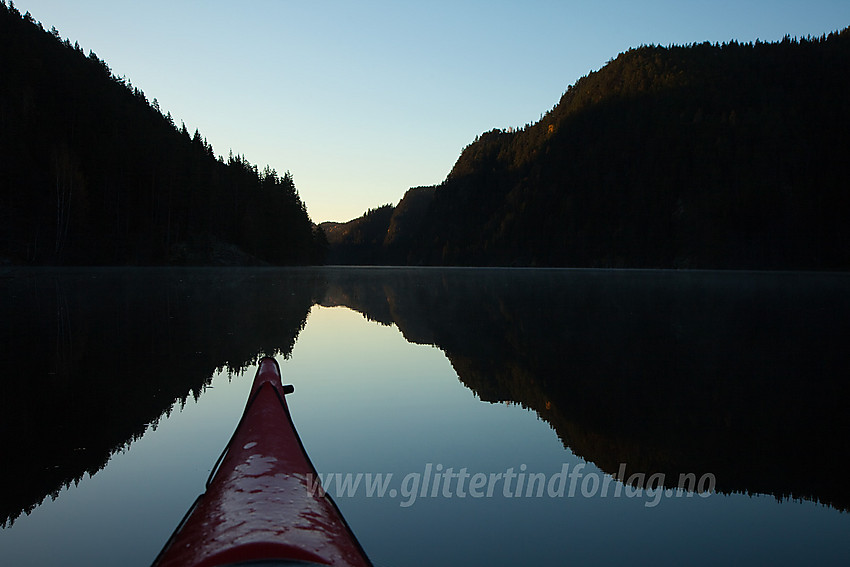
point(740, 375)
point(91, 358)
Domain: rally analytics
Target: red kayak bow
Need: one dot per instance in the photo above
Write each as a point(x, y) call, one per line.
point(262, 504)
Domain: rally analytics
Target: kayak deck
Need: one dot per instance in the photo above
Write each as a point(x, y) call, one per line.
point(262, 502)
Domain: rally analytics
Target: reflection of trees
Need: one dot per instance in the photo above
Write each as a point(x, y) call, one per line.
point(92, 358)
point(743, 376)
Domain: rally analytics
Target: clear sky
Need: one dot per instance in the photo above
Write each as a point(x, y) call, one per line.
point(361, 100)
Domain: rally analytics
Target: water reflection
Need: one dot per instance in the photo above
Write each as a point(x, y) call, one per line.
point(91, 359)
point(738, 375)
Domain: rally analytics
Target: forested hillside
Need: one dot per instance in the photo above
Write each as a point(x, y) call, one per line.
point(700, 156)
point(381, 236)
point(359, 241)
point(92, 172)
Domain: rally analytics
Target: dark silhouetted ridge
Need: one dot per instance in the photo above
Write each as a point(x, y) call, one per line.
point(725, 156)
point(92, 172)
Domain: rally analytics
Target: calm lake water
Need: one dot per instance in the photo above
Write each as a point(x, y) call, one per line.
point(489, 415)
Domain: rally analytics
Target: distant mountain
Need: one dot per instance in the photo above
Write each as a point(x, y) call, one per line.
point(92, 172)
point(701, 156)
point(381, 236)
point(406, 222)
point(359, 241)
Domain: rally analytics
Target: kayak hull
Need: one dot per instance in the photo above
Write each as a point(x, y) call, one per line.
point(264, 501)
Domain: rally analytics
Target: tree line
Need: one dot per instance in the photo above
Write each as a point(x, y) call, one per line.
point(93, 172)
